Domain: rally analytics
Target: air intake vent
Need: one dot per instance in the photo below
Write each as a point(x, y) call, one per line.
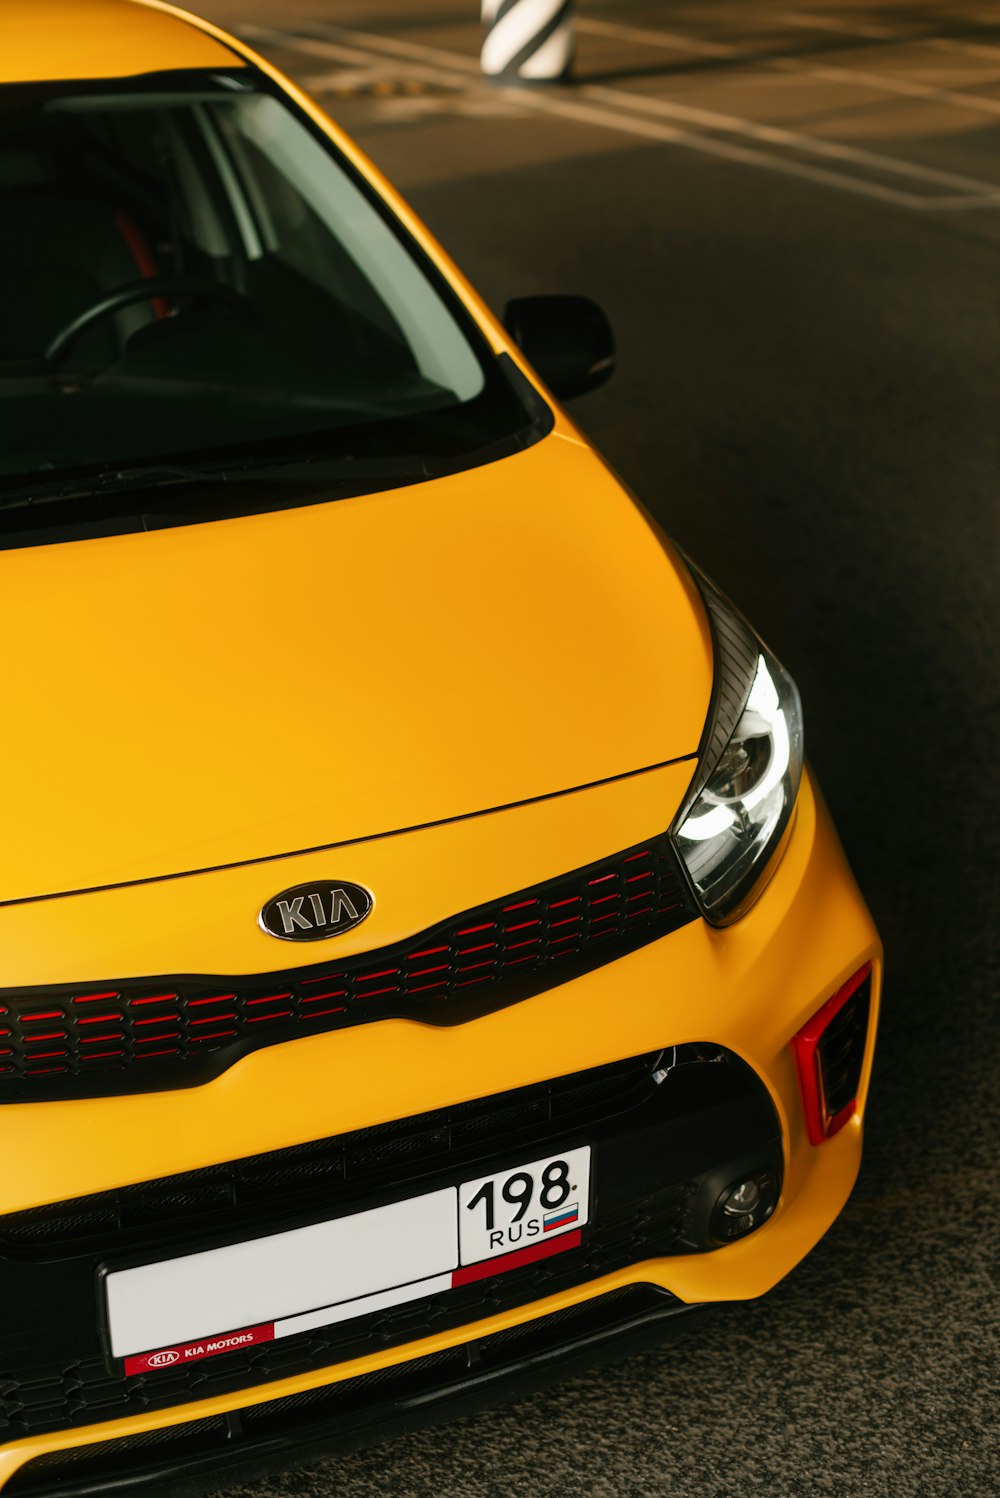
point(842, 1050)
point(334, 1172)
point(829, 1054)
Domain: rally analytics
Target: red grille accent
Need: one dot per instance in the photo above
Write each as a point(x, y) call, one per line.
point(193, 1027)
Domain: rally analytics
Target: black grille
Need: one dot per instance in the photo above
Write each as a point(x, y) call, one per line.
point(341, 1404)
point(138, 1033)
point(666, 1128)
point(336, 1170)
point(83, 1391)
point(842, 1050)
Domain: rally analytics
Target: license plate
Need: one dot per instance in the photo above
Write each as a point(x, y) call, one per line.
point(184, 1309)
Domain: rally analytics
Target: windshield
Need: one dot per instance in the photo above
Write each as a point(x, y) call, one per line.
point(192, 275)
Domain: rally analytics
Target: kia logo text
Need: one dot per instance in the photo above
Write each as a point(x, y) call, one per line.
point(162, 1359)
point(313, 912)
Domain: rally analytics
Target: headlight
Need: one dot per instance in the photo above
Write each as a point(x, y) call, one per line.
point(741, 799)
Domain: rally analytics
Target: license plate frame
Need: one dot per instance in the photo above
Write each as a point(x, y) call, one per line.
point(341, 1267)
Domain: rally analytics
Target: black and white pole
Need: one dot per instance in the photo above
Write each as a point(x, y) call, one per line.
point(527, 41)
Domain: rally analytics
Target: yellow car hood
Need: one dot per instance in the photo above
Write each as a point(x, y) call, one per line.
point(209, 694)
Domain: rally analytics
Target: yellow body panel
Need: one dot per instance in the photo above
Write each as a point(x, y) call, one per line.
point(276, 682)
point(43, 39)
point(164, 683)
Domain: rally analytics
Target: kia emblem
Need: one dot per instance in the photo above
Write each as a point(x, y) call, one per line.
point(162, 1359)
point(314, 912)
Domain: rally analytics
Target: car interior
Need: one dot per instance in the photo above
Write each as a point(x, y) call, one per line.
point(170, 285)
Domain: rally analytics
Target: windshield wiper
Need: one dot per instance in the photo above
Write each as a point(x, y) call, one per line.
point(317, 469)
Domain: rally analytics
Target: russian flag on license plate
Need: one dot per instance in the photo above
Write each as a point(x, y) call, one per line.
point(560, 1218)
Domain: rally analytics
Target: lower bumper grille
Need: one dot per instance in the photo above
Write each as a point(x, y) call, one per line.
point(84, 1392)
point(334, 1173)
point(341, 1413)
point(675, 1128)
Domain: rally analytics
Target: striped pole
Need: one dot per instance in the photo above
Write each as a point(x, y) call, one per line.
point(527, 41)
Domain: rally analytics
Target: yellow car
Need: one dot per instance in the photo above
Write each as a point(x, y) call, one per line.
point(426, 960)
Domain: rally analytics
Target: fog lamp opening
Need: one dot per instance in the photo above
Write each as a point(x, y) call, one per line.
point(745, 1205)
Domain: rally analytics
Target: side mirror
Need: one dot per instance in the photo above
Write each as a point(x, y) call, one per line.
point(568, 339)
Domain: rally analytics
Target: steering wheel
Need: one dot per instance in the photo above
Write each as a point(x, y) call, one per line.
point(142, 291)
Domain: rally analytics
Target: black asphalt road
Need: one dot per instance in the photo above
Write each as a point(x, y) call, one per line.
point(809, 398)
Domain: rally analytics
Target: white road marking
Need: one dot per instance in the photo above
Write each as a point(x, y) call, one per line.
point(776, 135)
point(905, 87)
point(974, 49)
point(646, 38)
point(349, 78)
point(883, 82)
point(672, 41)
point(864, 29)
point(633, 114)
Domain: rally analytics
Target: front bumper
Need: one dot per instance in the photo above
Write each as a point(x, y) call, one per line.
point(749, 988)
point(243, 1444)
